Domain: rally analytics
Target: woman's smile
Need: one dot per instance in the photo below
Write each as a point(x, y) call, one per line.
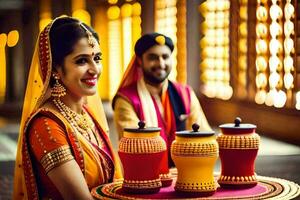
point(90, 81)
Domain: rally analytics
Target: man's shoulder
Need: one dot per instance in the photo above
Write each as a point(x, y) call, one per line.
point(128, 93)
point(131, 87)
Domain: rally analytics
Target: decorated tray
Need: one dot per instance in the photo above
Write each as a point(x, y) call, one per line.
point(266, 188)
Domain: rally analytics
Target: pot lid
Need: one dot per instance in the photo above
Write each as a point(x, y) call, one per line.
point(237, 125)
point(195, 132)
point(142, 129)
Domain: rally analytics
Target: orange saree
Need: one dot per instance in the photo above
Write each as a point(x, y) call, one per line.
point(48, 145)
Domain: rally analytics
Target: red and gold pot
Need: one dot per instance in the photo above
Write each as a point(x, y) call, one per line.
point(238, 144)
point(194, 154)
point(141, 151)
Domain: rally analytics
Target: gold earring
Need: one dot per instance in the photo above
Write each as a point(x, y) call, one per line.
point(58, 90)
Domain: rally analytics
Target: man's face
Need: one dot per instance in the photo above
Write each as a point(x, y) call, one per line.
point(156, 64)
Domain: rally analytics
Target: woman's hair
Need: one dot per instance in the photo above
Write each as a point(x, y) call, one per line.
point(64, 34)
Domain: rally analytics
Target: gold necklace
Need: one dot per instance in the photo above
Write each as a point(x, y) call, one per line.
point(81, 122)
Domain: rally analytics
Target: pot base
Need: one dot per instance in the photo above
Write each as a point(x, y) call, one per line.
point(140, 191)
point(141, 187)
point(237, 186)
point(166, 180)
point(237, 182)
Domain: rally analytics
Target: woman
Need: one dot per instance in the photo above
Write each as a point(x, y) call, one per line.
point(63, 148)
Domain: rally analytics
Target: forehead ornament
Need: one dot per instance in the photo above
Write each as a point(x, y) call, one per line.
point(91, 39)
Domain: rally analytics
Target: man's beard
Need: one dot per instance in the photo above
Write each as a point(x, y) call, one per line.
point(150, 78)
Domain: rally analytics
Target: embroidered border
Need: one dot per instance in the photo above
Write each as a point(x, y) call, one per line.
point(196, 186)
point(142, 145)
point(237, 179)
point(139, 184)
point(56, 158)
point(195, 149)
point(249, 141)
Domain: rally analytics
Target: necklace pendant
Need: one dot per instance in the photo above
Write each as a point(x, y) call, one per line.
point(81, 122)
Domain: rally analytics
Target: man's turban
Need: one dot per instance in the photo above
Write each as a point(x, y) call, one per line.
point(149, 40)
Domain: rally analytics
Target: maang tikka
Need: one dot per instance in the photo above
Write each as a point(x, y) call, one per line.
point(91, 39)
point(58, 90)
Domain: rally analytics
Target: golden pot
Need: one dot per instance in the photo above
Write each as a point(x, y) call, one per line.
point(194, 154)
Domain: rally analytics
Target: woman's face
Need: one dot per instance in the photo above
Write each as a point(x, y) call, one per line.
point(81, 69)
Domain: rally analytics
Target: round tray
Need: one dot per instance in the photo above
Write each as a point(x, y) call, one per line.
point(267, 187)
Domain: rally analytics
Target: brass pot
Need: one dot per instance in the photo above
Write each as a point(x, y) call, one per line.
point(194, 154)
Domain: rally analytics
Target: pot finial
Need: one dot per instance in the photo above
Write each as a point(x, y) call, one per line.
point(195, 127)
point(237, 121)
point(141, 124)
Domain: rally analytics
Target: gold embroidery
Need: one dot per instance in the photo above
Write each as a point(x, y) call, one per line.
point(56, 158)
point(107, 166)
point(40, 141)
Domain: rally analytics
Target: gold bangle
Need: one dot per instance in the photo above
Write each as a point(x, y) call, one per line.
point(56, 158)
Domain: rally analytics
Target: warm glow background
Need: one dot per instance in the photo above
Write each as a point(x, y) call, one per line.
point(119, 23)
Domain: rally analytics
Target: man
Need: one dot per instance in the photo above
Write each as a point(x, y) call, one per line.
point(146, 94)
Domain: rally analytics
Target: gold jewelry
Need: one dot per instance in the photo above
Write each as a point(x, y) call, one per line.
point(81, 122)
point(58, 90)
point(91, 39)
point(56, 157)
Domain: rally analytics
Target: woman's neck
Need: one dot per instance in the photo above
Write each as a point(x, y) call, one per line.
point(74, 104)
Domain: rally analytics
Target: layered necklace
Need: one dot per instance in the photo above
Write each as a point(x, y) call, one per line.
point(81, 122)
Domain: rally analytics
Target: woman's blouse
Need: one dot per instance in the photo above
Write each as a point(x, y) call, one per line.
point(50, 148)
